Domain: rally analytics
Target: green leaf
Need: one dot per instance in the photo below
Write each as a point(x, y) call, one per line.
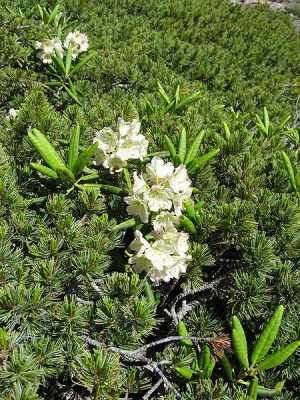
point(266, 120)
point(188, 100)
point(89, 177)
point(177, 96)
point(227, 367)
point(149, 292)
point(196, 190)
point(40, 11)
point(45, 149)
point(199, 205)
point(69, 59)
point(171, 148)
point(169, 107)
point(59, 62)
point(127, 178)
point(201, 162)
point(163, 93)
point(279, 357)
point(72, 94)
point(195, 364)
point(87, 187)
point(182, 331)
point(52, 83)
point(185, 372)
point(44, 170)
point(75, 88)
point(267, 336)
point(182, 146)
point(189, 208)
point(227, 131)
point(209, 370)
point(65, 174)
point(192, 153)
point(290, 170)
point(262, 125)
point(83, 61)
point(53, 14)
point(252, 390)
point(187, 224)
point(239, 342)
point(74, 147)
point(161, 154)
point(129, 223)
point(113, 190)
point(84, 158)
point(204, 359)
point(297, 181)
point(266, 392)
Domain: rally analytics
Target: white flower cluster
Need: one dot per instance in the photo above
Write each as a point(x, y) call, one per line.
point(158, 193)
point(50, 47)
point(161, 190)
point(116, 148)
point(161, 187)
point(12, 113)
point(78, 41)
point(166, 256)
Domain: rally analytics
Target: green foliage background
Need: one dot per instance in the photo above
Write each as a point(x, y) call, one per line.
point(62, 270)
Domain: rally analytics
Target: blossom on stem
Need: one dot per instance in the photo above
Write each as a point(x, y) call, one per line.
point(116, 148)
point(165, 257)
point(12, 113)
point(78, 42)
point(163, 188)
point(48, 49)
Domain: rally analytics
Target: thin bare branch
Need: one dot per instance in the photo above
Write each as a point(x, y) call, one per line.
point(169, 339)
point(192, 292)
point(152, 389)
point(141, 350)
point(166, 381)
point(84, 302)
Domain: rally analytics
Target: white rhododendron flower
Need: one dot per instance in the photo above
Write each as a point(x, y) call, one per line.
point(116, 148)
point(165, 221)
point(137, 206)
point(163, 188)
point(159, 171)
point(139, 244)
point(179, 181)
point(78, 41)
point(48, 48)
point(12, 113)
point(163, 259)
point(159, 199)
point(173, 242)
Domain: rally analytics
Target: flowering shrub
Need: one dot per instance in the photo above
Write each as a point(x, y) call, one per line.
point(64, 54)
point(50, 48)
point(162, 187)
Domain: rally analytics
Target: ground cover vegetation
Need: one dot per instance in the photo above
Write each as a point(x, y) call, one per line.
point(149, 201)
